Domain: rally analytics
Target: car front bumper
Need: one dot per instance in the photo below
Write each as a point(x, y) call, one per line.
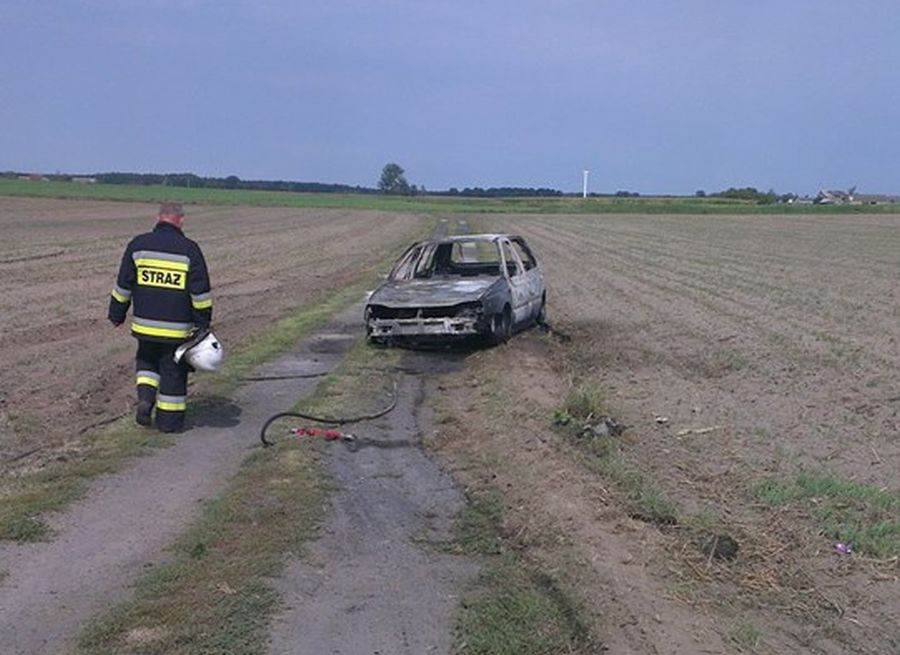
point(422, 327)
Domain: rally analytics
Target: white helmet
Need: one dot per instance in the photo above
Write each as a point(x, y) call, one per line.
point(203, 352)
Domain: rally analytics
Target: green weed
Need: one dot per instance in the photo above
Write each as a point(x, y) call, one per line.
point(645, 501)
point(862, 515)
point(745, 635)
point(584, 402)
point(478, 526)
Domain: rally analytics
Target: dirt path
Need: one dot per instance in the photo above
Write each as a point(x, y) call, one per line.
point(373, 585)
point(125, 523)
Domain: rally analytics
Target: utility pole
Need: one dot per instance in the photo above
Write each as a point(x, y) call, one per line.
point(584, 179)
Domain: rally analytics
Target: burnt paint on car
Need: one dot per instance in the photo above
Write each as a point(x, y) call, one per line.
point(430, 295)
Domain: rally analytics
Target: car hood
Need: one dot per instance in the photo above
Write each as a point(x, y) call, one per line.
point(432, 292)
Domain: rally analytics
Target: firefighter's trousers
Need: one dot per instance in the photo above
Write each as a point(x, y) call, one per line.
point(162, 382)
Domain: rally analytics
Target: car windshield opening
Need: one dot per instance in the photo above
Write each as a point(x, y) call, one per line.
point(453, 258)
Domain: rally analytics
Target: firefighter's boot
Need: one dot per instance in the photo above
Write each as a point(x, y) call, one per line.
point(144, 413)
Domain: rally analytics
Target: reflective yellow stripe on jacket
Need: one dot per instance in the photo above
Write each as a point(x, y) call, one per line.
point(166, 329)
point(158, 259)
point(201, 300)
point(120, 294)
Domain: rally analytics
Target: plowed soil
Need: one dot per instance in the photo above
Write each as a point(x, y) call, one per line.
point(777, 340)
point(64, 368)
point(783, 330)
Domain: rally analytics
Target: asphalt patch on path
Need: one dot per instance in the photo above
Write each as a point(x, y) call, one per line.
point(372, 583)
point(104, 542)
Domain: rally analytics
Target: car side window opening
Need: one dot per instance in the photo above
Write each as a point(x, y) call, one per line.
point(528, 260)
point(513, 266)
point(405, 266)
point(426, 262)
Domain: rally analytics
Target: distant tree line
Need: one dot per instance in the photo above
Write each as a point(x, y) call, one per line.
point(751, 194)
point(500, 192)
point(230, 182)
point(395, 183)
point(392, 181)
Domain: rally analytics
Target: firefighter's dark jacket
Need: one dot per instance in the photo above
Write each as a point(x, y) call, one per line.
point(164, 275)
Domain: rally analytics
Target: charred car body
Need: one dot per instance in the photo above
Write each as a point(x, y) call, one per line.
point(464, 286)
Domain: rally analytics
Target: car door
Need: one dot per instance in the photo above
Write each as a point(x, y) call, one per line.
point(518, 284)
point(534, 279)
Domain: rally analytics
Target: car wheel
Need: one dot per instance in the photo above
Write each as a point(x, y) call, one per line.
point(501, 327)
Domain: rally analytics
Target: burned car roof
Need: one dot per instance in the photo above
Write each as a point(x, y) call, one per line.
point(469, 237)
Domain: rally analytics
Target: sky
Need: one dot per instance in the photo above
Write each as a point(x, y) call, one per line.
point(650, 96)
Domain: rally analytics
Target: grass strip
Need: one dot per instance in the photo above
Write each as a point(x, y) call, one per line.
point(25, 497)
point(422, 204)
point(513, 609)
point(582, 407)
point(864, 516)
point(217, 595)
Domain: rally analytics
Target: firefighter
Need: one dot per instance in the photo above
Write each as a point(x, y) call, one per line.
point(163, 274)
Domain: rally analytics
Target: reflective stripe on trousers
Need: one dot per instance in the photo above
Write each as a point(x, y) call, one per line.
point(148, 377)
point(171, 403)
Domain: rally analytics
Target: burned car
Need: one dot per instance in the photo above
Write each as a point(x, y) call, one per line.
point(474, 285)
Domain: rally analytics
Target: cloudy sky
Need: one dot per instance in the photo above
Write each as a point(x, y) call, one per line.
point(652, 96)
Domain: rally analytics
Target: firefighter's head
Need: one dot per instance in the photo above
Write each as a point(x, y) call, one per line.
point(171, 212)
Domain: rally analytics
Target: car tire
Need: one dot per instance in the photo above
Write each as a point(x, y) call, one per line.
point(501, 327)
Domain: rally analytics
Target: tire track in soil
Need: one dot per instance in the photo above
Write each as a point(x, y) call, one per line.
point(372, 584)
point(104, 542)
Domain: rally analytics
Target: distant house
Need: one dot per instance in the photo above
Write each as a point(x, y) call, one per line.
point(835, 197)
point(85, 180)
point(33, 177)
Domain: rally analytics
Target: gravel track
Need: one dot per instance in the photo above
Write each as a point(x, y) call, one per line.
point(373, 584)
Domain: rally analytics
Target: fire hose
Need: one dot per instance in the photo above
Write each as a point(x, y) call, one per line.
point(329, 435)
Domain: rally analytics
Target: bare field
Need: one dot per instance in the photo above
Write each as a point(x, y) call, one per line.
point(754, 361)
point(64, 366)
point(784, 331)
